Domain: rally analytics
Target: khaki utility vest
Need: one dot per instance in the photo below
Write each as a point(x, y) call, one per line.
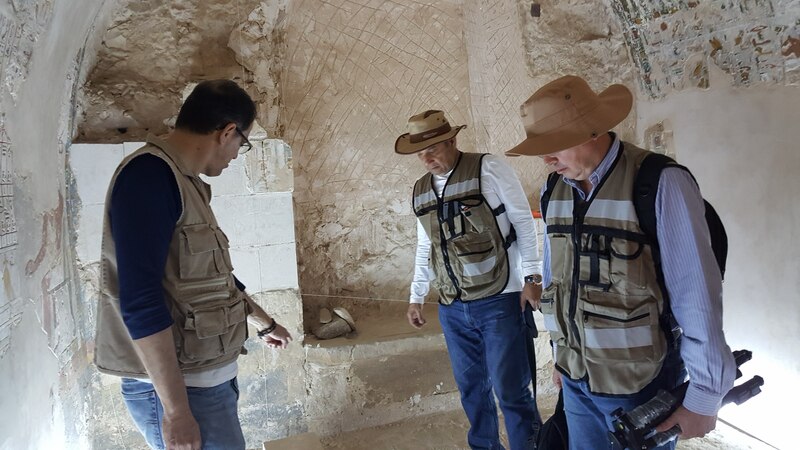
point(208, 309)
point(468, 251)
point(604, 306)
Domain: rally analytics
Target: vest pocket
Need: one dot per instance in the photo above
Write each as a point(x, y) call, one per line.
point(476, 254)
point(623, 349)
point(213, 330)
point(627, 264)
point(594, 262)
point(204, 252)
point(549, 307)
point(222, 258)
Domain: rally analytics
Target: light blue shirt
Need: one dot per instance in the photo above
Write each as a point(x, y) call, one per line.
point(692, 278)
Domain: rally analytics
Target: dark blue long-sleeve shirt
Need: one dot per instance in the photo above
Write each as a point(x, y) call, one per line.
point(145, 206)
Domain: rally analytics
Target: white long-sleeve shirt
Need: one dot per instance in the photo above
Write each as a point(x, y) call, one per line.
point(499, 185)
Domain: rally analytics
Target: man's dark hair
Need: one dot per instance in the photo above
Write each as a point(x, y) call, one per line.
point(213, 104)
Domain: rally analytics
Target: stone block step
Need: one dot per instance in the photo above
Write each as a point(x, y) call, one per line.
point(371, 391)
point(385, 372)
point(380, 333)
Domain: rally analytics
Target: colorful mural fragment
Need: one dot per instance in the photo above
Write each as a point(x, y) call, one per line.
point(672, 42)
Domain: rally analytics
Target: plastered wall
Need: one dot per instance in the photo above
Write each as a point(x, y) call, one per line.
point(355, 72)
point(718, 89)
point(46, 385)
point(741, 146)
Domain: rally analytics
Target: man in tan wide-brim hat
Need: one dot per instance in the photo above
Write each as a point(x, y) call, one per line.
point(618, 291)
point(476, 243)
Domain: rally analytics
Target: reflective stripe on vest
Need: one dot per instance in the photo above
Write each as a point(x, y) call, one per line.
point(618, 337)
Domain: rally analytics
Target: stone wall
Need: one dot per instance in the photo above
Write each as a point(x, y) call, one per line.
point(44, 327)
point(353, 74)
point(148, 55)
point(337, 81)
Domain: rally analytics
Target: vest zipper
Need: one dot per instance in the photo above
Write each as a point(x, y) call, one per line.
point(442, 238)
point(480, 252)
point(443, 242)
point(578, 213)
point(587, 314)
point(221, 295)
point(573, 296)
point(214, 282)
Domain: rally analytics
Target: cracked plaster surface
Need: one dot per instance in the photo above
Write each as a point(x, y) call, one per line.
point(21, 23)
point(354, 73)
point(151, 51)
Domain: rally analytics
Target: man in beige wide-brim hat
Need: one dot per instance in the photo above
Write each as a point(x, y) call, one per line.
point(476, 242)
point(606, 295)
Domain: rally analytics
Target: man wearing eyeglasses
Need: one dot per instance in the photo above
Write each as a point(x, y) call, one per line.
point(172, 318)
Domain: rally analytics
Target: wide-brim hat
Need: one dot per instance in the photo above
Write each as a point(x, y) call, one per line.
point(567, 112)
point(425, 129)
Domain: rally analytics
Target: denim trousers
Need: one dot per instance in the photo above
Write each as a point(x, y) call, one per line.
point(213, 408)
point(486, 341)
point(589, 415)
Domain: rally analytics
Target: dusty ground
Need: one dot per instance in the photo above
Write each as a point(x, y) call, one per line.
point(448, 431)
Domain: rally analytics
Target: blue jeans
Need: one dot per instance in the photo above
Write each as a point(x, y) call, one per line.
point(486, 342)
point(589, 415)
point(213, 408)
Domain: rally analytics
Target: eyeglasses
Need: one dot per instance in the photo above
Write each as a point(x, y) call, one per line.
point(246, 145)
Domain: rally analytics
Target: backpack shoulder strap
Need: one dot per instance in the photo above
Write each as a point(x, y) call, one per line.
point(719, 238)
point(645, 188)
point(552, 179)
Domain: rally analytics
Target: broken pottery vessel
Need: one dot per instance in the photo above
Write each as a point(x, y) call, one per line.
point(334, 325)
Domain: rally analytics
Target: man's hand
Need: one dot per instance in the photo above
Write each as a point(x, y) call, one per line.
point(157, 353)
point(181, 431)
point(692, 424)
point(531, 293)
point(556, 377)
point(279, 338)
point(414, 315)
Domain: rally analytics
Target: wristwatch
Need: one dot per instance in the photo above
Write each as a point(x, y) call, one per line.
point(534, 279)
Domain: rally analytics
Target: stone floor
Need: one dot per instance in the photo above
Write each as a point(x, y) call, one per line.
point(447, 431)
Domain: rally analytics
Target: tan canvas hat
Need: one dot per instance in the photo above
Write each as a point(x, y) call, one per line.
point(566, 112)
point(425, 129)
